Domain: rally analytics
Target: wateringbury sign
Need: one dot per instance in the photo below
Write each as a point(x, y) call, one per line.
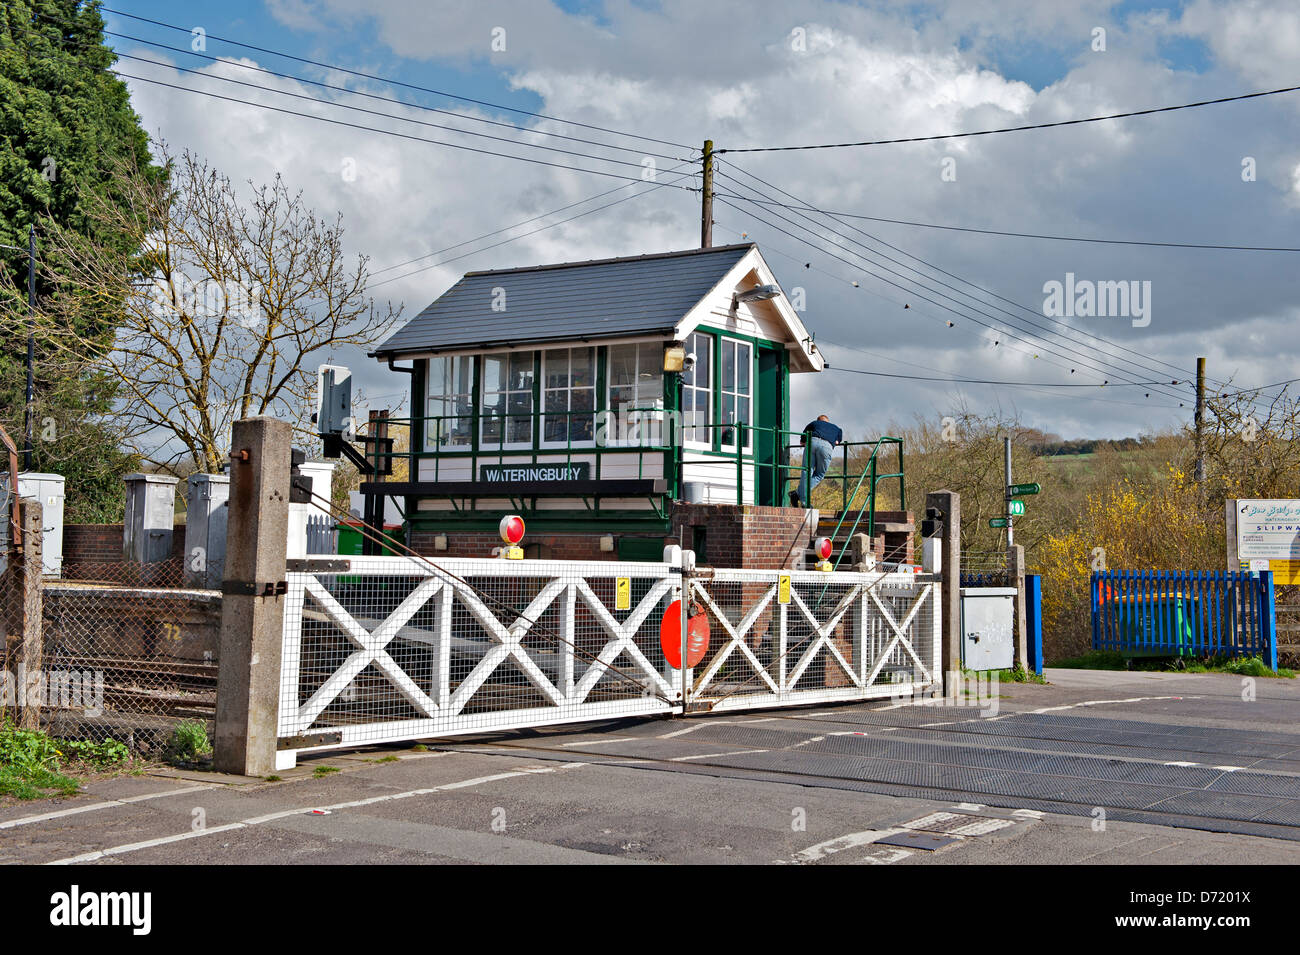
point(536, 473)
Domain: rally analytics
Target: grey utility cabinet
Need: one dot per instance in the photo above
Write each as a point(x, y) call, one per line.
point(988, 628)
point(207, 510)
point(48, 489)
point(150, 517)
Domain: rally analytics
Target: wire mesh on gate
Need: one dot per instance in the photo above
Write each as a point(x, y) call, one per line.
point(398, 647)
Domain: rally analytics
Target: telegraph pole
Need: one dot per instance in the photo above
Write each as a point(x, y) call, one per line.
point(1200, 419)
point(706, 204)
point(1006, 493)
point(31, 343)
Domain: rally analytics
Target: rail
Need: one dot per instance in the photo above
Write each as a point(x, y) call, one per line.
point(649, 433)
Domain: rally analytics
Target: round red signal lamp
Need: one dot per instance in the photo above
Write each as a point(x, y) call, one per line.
point(824, 548)
point(512, 528)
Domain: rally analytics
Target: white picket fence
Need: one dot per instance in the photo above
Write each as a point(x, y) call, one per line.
point(380, 649)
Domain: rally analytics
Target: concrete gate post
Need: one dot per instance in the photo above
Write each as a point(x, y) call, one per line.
point(27, 583)
point(948, 503)
point(252, 612)
point(1016, 575)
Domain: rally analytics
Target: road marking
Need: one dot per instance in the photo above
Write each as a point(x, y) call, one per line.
point(884, 855)
point(1179, 762)
point(981, 827)
point(731, 752)
point(1071, 706)
point(592, 742)
point(285, 813)
point(108, 804)
point(831, 846)
point(1229, 769)
point(700, 726)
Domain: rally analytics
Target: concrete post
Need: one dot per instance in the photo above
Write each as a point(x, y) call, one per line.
point(1016, 573)
point(31, 611)
point(949, 504)
point(252, 613)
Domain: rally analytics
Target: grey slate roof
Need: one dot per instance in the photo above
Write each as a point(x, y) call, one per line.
point(573, 301)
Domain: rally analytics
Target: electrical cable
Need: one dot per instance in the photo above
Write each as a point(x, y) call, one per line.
point(1016, 129)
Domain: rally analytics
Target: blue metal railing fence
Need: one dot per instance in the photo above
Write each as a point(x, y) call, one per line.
point(1185, 613)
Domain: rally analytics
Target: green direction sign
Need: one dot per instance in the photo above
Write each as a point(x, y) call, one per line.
point(1014, 489)
point(1015, 508)
point(998, 522)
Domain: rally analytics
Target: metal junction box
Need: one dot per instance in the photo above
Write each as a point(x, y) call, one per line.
point(150, 517)
point(48, 489)
point(987, 628)
point(207, 508)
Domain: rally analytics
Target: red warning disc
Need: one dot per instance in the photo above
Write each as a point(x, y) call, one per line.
point(670, 635)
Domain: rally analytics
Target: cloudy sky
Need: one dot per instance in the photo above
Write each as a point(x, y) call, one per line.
point(761, 74)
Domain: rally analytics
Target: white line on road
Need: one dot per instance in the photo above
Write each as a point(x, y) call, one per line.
point(108, 804)
point(270, 817)
point(1133, 699)
point(839, 844)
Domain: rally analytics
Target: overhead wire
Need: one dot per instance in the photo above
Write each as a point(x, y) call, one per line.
point(386, 132)
point(1081, 360)
point(391, 81)
point(1016, 129)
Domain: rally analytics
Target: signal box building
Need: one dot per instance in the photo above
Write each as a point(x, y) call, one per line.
point(615, 404)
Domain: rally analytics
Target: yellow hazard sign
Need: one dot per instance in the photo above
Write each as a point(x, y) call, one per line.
point(783, 589)
point(623, 593)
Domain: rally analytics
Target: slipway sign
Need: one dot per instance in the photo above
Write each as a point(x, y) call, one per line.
point(1269, 530)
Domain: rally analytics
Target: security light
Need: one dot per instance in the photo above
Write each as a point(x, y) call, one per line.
point(760, 293)
point(674, 357)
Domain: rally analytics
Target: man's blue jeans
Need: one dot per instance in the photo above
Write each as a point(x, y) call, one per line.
point(818, 452)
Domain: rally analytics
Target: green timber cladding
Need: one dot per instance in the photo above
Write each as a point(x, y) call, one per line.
point(542, 391)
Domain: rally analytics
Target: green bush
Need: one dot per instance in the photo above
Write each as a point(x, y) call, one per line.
point(29, 765)
point(189, 742)
point(108, 753)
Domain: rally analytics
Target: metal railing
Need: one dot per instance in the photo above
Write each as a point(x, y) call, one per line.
point(1185, 613)
point(648, 432)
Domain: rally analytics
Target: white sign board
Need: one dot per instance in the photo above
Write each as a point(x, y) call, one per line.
point(1269, 531)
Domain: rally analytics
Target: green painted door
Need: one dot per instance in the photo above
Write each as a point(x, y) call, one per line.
point(769, 402)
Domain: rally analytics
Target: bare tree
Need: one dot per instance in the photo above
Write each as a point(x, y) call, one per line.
point(226, 309)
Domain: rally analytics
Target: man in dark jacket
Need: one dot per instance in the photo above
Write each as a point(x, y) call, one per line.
point(819, 439)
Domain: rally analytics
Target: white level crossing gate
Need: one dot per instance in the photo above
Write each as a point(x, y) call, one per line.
point(380, 649)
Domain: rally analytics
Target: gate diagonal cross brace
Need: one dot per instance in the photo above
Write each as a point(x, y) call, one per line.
point(370, 649)
point(509, 645)
point(621, 635)
point(736, 640)
point(926, 593)
point(823, 631)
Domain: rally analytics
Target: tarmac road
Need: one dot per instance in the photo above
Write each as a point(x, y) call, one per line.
point(1100, 767)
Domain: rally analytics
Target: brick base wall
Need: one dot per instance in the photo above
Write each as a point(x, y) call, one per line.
point(750, 537)
point(102, 543)
point(536, 546)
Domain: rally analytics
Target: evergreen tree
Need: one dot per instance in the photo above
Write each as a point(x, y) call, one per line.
point(64, 120)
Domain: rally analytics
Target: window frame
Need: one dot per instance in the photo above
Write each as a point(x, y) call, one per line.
point(735, 344)
point(431, 426)
point(650, 422)
point(488, 444)
point(701, 364)
point(544, 391)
